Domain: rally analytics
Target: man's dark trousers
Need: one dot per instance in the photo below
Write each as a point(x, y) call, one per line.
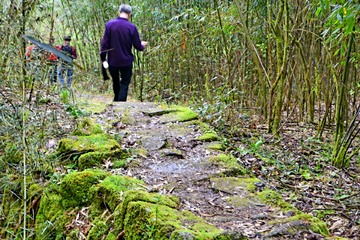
point(121, 88)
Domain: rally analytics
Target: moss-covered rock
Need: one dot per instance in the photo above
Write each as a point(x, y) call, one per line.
point(77, 189)
point(128, 120)
point(97, 142)
point(98, 231)
point(91, 159)
point(275, 199)
point(132, 196)
point(215, 146)
point(111, 189)
point(182, 114)
point(161, 222)
point(209, 137)
point(87, 127)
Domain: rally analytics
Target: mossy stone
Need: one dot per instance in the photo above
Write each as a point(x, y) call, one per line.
point(215, 146)
point(91, 159)
point(112, 187)
point(128, 120)
point(168, 223)
point(133, 195)
point(209, 137)
point(97, 142)
point(76, 188)
point(87, 127)
point(182, 114)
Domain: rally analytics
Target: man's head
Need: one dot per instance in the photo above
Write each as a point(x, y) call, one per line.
point(67, 39)
point(125, 11)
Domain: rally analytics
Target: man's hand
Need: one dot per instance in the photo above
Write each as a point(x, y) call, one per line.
point(144, 44)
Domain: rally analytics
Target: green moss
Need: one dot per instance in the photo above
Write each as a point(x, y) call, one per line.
point(128, 120)
point(111, 189)
point(120, 164)
point(182, 114)
point(166, 222)
point(12, 154)
point(93, 108)
point(275, 199)
point(134, 195)
point(77, 188)
point(97, 142)
point(97, 231)
point(87, 127)
point(316, 224)
point(227, 161)
point(91, 159)
point(111, 236)
point(12, 202)
point(50, 209)
point(240, 202)
point(199, 125)
point(208, 137)
point(215, 146)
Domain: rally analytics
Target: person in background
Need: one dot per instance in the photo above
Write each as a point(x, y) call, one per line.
point(51, 60)
point(66, 68)
point(120, 35)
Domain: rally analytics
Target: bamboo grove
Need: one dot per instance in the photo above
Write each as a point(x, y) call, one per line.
point(288, 59)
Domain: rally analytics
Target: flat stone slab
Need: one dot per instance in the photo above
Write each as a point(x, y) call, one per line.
point(233, 185)
point(156, 112)
point(153, 143)
point(191, 165)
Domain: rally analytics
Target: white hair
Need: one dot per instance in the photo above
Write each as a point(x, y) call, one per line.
point(125, 8)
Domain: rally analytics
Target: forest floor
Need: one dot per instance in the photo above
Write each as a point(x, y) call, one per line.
point(229, 181)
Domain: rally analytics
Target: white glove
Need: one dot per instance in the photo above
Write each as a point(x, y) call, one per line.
point(105, 64)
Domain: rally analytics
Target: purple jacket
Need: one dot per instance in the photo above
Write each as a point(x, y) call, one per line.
point(120, 35)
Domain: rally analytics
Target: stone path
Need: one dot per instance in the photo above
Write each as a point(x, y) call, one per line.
point(171, 159)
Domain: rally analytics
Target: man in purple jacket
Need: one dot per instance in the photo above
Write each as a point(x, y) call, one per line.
point(120, 35)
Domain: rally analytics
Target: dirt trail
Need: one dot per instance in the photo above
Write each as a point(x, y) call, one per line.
point(172, 160)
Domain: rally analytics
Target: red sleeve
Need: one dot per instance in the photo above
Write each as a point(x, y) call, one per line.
point(74, 52)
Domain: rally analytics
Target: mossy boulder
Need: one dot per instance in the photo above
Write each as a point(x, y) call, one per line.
point(91, 159)
point(87, 127)
point(96, 142)
point(78, 188)
point(209, 137)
